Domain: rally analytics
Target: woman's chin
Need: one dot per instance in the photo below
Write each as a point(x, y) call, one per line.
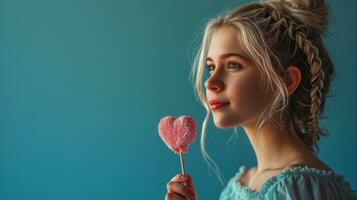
point(222, 125)
point(225, 122)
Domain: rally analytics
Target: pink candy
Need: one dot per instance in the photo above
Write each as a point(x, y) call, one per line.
point(178, 133)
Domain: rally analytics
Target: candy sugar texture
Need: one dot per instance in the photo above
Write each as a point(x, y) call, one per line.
point(178, 133)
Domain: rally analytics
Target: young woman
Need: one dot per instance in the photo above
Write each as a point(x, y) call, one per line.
point(269, 74)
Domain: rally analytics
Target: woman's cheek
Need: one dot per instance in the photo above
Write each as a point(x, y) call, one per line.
point(246, 95)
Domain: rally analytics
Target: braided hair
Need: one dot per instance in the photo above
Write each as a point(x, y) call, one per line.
point(299, 21)
point(304, 22)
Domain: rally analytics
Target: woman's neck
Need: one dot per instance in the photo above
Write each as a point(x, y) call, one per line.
point(275, 148)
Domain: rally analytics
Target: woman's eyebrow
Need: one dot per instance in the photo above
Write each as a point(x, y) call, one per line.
point(226, 55)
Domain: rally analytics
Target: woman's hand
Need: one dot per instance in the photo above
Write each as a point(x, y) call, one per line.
point(181, 187)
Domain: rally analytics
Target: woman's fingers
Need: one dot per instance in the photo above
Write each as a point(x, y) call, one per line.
point(176, 185)
point(174, 196)
point(179, 188)
point(184, 179)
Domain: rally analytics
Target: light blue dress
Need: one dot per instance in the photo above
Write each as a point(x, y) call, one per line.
point(300, 182)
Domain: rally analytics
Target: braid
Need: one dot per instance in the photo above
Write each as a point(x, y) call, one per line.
point(317, 78)
point(298, 33)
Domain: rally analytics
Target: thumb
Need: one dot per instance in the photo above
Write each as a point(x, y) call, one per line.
point(187, 179)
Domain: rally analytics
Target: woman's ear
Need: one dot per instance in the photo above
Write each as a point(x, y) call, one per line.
point(292, 78)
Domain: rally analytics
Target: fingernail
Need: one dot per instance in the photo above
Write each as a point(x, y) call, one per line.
point(185, 177)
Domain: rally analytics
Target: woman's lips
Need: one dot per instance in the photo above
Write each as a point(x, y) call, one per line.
point(217, 106)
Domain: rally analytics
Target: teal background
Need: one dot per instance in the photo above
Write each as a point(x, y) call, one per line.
point(84, 84)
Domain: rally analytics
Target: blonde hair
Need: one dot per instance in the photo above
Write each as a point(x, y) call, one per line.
point(276, 34)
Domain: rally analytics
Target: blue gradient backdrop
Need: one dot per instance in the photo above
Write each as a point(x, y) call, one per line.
point(84, 83)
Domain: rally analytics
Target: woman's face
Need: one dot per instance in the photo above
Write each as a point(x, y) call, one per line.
point(233, 80)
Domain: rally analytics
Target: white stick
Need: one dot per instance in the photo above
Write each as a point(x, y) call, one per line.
point(182, 167)
point(182, 163)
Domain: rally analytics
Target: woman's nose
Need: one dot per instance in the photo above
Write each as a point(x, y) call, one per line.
point(214, 85)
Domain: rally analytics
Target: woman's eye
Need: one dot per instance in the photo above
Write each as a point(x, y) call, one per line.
point(235, 65)
point(209, 67)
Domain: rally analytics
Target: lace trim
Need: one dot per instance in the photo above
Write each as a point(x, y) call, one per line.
point(268, 184)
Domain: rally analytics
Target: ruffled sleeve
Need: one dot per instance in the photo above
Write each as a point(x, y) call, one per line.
point(231, 191)
point(293, 184)
point(311, 185)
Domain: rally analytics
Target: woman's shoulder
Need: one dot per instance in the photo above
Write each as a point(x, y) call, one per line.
point(303, 182)
point(298, 182)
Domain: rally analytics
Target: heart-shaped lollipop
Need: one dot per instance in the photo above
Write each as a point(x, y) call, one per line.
point(178, 134)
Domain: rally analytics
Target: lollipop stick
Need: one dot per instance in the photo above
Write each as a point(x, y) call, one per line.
point(182, 163)
point(182, 167)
